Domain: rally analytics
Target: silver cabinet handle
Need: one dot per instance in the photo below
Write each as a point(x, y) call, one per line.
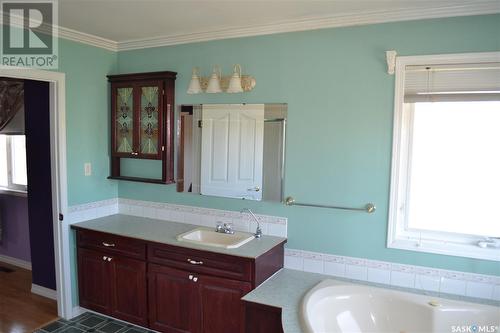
point(190, 277)
point(195, 279)
point(134, 153)
point(104, 258)
point(108, 244)
point(194, 262)
point(109, 258)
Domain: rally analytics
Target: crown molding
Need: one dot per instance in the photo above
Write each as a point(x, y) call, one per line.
point(66, 33)
point(88, 39)
point(478, 8)
point(312, 23)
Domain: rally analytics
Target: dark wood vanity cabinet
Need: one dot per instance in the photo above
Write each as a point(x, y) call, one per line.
point(142, 120)
point(168, 288)
point(172, 300)
point(109, 282)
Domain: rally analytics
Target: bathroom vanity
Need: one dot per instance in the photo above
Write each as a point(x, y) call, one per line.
point(135, 269)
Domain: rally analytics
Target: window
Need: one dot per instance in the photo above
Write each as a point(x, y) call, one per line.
point(13, 175)
point(445, 183)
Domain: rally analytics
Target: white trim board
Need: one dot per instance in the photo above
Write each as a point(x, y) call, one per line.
point(482, 7)
point(42, 291)
point(394, 274)
point(15, 262)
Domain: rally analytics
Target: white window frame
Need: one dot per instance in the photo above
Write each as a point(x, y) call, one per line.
point(399, 236)
point(11, 186)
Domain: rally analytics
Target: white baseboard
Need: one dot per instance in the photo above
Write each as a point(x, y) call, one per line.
point(15, 262)
point(42, 291)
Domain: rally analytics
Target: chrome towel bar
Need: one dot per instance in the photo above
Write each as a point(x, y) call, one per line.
point(369, 207)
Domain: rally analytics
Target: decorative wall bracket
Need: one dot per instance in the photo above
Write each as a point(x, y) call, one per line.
point(390, 57)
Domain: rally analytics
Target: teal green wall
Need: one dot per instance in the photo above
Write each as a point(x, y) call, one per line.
point(340, 112)
point(87, 127)
point(87, 120)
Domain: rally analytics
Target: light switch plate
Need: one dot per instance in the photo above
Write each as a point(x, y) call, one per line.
point(87, 169)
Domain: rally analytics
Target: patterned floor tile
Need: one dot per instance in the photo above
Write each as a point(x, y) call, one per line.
point(90, 322)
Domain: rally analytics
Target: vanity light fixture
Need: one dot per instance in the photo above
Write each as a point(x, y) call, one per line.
point(195, 83)
point(216, 83)
point(235, 81)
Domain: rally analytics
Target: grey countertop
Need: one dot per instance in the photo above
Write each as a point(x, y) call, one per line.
point(166, 232)
point(287, 287)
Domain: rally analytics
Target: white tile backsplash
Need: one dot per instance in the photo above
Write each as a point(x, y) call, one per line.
point(496, 292)
point(313, 262)
point(270, 225)
point(418, 277)
point(478, 289)
point(334, 268)
point(356, 272)
point(452, 286)
point(403, 279)
point(408, 276)
point(427, 282)
point(378, 275)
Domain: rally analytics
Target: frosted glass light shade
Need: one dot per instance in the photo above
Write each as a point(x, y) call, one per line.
point(214, 81)
point(195, 84)
point(235, 81)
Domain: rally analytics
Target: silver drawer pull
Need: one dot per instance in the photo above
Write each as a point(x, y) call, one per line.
point(108, 244)
point(190, 277)
point(104, 258)
point(195, 279)
point(109, 258)
point(194, 262)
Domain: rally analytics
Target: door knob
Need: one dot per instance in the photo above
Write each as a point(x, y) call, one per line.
point(255, 189)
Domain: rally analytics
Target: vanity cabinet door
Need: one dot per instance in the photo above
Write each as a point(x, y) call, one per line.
point(222, 310)
point(173, 300)
point(94, 281)
point(128, 289)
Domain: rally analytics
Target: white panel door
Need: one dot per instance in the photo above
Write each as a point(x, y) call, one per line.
point(232, 150)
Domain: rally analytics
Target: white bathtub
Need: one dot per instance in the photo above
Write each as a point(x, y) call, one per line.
point(332, 306)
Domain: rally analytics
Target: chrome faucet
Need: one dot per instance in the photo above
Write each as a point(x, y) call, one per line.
point(258, 231)
point(224, 228)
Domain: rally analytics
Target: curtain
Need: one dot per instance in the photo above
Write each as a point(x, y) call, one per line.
point(11, 101)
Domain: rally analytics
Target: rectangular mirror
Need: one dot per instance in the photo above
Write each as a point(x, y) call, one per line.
point(232, 150)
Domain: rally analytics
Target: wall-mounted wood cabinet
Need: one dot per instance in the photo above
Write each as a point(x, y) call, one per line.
point(142, 120)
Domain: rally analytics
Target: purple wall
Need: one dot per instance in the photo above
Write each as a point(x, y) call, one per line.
point(16, 235)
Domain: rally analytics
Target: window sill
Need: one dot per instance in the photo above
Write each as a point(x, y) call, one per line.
point(446, 248)
point(15, 193)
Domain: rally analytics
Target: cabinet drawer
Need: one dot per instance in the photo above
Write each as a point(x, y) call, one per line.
point(112, 244)
point(201, 261)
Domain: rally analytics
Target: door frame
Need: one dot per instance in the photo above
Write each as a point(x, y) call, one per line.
point(58, 166)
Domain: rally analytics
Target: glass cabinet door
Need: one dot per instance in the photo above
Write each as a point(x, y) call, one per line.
point(150, 143)
point(124, 121)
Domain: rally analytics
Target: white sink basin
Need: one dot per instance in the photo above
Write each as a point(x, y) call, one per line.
point(204, 236)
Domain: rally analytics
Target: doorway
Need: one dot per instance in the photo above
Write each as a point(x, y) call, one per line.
point(56, 184)
point(26, 233)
